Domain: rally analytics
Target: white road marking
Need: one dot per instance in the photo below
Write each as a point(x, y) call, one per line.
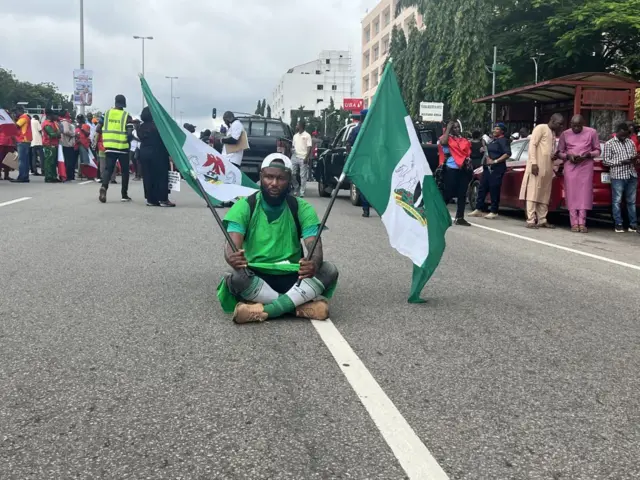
point(413, 455)
point(560, 247)
point(84, 183)
point(17, 200)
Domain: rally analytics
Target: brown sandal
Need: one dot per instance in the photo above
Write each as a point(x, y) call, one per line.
point(546, 225)
point(575, 229)
point(583, 229)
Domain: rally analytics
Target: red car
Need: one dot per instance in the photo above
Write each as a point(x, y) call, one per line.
point(512, 181)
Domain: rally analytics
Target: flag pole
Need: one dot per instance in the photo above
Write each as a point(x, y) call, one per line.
point(213, 210)
point(334, 195)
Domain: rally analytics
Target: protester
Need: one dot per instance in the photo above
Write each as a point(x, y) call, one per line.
point(269, 234)
point(23, 143)
point(155, 163)
point(538, 176)
point(302, 145)
point(8, 135)
point(37, 153)
point(578, 146)
point(351, 140)
point(134, 149)
point(68, 142)
point(495, 166)
point(457, 171)
point(116, 145)
point(50, 140)
point(621, 156)
point(524, 133)
point(235, 143)
point(102, 158)
point(83, 139)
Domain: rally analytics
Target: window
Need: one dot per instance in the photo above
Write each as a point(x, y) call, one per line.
point(525, 153)
point(274, 129)
point(376, 53)
point(328, 61)
point(317, 72)
point(516, 148)
point(334, 87)
point(365, 83)
point(367, 34)
point(366, 59)
point(318, 100)
point(257, 128)
point(387, 17)
point(385, 46)
point(337, 140)
point(374, 78)
point(376, 27)
point(320, 87)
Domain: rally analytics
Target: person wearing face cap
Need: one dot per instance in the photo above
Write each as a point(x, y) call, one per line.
point(116, 145)
point(455, 152)
point(494, 168)
point(267, 228)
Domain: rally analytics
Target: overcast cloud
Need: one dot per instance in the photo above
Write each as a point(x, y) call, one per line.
point(227, 54)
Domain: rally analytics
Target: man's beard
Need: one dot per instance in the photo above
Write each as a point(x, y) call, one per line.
point(271, 200)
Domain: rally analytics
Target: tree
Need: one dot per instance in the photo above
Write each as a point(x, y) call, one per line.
point(46, 95)
point(263, 107)
point(268, 111)
point(258, 108)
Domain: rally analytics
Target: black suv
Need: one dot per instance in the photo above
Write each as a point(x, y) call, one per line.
point(330, 163)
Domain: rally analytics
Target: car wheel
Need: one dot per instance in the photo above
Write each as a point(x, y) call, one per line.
point(322, 188)
point(472, 194)
point(354, 193)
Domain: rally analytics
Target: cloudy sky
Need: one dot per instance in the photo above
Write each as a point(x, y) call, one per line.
point(227, 54)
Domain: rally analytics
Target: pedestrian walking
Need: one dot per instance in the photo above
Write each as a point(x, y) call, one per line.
point(621, 156)
point(37, 153)
point(457, 171)
point(23, 144)
point(116, 145)
point(493, 170)
point(302, 146)
point(538, 175)
point(155, 162)
point(577, 147)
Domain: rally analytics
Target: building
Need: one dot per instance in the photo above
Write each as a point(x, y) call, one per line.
point(313, 84)
point(376, 40)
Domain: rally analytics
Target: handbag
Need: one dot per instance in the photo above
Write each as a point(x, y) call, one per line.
point(11, 161)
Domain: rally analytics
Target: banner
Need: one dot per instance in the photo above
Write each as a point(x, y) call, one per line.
point(83, 87)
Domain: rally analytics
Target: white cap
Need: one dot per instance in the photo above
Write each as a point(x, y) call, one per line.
point(266, 163)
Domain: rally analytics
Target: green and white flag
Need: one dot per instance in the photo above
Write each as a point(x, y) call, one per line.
point(196, 160)
point(389, 167)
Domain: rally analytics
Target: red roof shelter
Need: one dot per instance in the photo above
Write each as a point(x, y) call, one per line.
point(602, 98)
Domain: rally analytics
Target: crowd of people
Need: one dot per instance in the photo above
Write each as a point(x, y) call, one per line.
point(576, 148)
point(97, 148)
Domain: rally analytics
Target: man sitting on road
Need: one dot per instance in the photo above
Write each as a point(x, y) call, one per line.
point(266, 229)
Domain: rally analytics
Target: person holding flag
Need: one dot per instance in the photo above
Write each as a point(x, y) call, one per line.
point(270, 277)
point(50, 141)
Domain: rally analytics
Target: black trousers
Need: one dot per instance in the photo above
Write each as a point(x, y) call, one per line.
point(70, 159)
point(37, 157)
point(456, 183)
point(491, 183)
point(155, 175)
point(111, 159)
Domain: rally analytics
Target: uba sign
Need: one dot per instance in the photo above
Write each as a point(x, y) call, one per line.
point(353, 104)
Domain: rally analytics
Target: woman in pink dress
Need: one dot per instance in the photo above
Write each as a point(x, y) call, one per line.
point(578, 146)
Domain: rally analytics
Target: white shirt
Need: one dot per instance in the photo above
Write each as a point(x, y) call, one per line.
point(36, 131)
point(135, 143)
point(301, 144)
point(235, 130)
point(92, 131)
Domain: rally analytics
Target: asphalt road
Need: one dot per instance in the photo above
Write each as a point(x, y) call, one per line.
point(117, 362)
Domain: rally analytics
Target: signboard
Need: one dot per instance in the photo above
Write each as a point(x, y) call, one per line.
point(432, 111)
point(617, 98)
point(83, 87)
point(353, 105)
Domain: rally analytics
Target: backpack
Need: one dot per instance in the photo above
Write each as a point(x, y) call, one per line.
point(291, 201)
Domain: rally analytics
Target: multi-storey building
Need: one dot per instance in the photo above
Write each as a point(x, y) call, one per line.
point(313, 84)
point(376, 39)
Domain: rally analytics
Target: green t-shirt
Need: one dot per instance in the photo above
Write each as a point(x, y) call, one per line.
point(270, 234)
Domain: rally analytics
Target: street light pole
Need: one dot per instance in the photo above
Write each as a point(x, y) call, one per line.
point(138, 37)
point(535, 108)
point(81, 46)
point(174, 105)
point(171, 79)
point(493, 88)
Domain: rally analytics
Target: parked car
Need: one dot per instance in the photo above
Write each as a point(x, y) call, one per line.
point(265, 136)
point(330, 163)
point(512, 181)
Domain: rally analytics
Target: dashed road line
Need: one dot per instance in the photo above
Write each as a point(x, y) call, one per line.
point(414, 457)
point(84, 183)
point(17, 200)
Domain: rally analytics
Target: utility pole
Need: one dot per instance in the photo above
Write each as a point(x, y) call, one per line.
point(493, 88)
point(138, 37)
point(535, 108)
point(81, 48)
point(171, 79)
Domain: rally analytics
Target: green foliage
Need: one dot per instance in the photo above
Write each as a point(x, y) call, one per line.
point(13, 91)
point(335, 119)
point(261, 109)
point(268, 111)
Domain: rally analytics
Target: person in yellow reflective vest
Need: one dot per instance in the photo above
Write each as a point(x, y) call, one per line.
point(116, 141)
